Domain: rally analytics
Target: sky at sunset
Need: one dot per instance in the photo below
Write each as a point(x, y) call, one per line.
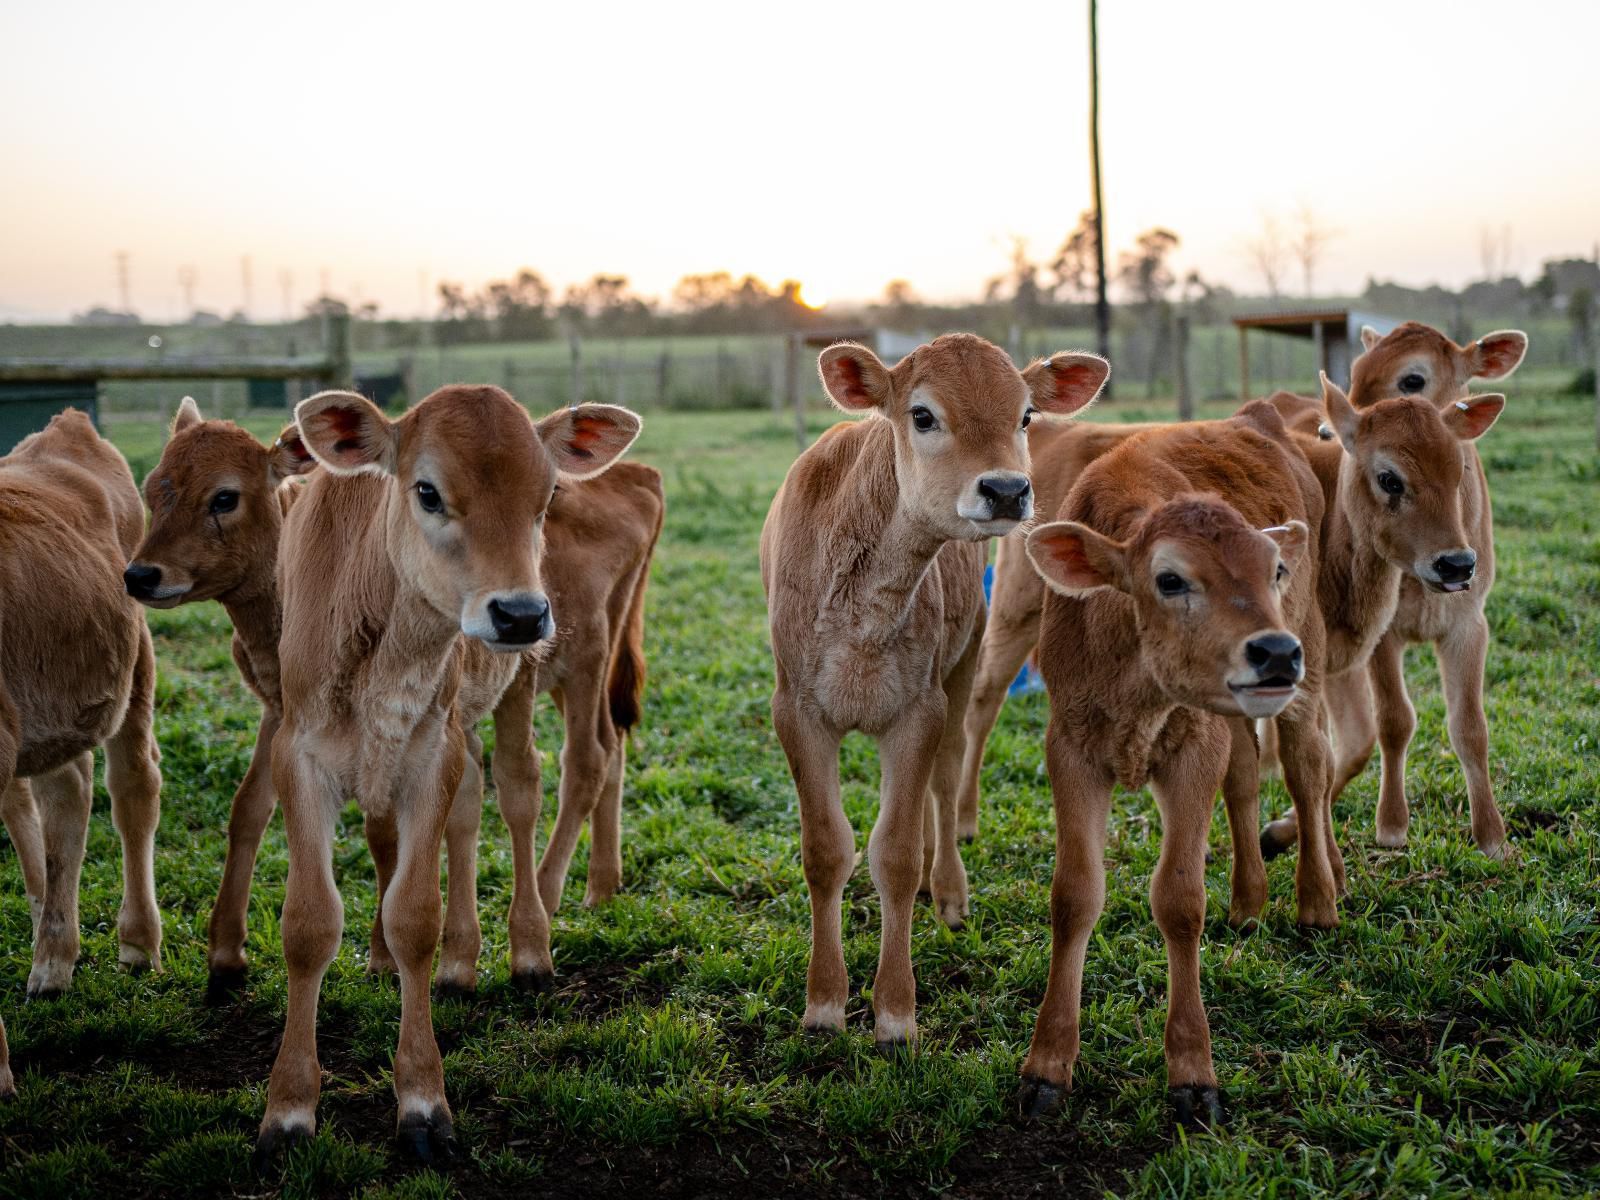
point(841, 144)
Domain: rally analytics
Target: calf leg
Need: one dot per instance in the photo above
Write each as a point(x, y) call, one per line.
point(1184, 792)
point(383, 843)
point(1241, 794)
point(134, 781)
point(247, 822)
point(1348, 697)
point(906, 753)
point(1319, 871)
point(1011, 633)
point(584, 762)
point(516, 785)
point(313, 918)
point(21, 817)
point(457, 974)
point(1397, 721)
point(827, 855)
point(411, 919)
point(1461, 656)
point(605, 829)
point(64, 797)
point(1082, 797)
point(948, 874)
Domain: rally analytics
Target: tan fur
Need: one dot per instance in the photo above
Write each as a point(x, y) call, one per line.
point(871, 563)
point(76, 671)
point(1454, 623)
point(1145, 686)
point(379, 686)
point(598, 533)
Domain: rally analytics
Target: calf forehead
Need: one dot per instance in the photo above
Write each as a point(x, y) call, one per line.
point(1406, 343)
point(481, 438)
point(1206, 530)
point(971, 378)
point(196, 457)
point(1410, 430)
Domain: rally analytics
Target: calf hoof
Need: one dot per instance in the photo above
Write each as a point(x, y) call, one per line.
point(8, 1086)
point(1038, 1098)
point(896, 1047)
point(1498, 849)
point(429, 1141)
point(954, 915)
point(271, 1141)
point(137, 961)
point(1276, 838)
point(223, 984)
point(1197, 1107)
point(533, 981)
point(45, 991)
point(454, 989)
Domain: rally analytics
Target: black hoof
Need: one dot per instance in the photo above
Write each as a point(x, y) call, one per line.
point(273, 1140)
point(428, 1141)
point(1196, 1108)
point(1210, 856)
point(820, 1031)
point(1039, 1098)
point(449, 989)
point(46, 993)
point(967, 839)
point(895, 1047)
point(224, 984)
point(534, 982)
point(1270, 846)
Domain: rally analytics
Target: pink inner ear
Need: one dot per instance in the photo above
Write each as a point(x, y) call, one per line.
point(586, 432)
point(846, 373)
point(346, 426)
point(1069, 554)
point(1478, 417)
point(1497, 356)
point(1074, 383)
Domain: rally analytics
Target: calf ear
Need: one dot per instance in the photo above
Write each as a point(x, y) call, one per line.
point(1496, 355)
point(1370, 337)
point(855, 378)
point(1292, 537)
point(288, 455)
point(347, 433)
point(1471, 418)
point(1068, 382)
point(583, 441)
point(1342, 418)
point(1073, 558)
point(187, 416)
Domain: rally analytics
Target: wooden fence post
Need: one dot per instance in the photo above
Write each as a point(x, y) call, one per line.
point(1180, 356)
point(341, 354)
point(663, 375)
point(1597, 392)
point(1244, 367)
point(791, 385)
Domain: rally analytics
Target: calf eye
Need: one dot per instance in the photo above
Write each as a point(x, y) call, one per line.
point(1391, 483)
point(1412, 382)
point(922, 419)
point(428, 496)
point(1169, 583)
point(1027, 416)
point(1283, 572)
point(224, 501)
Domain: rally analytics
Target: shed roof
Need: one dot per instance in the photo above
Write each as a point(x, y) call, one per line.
point(1303, 322)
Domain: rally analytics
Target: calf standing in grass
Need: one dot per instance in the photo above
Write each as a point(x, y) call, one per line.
point(1186, 567)
point(76, 671)
point(872, 562)
point(418, 531)
point(1441, 602)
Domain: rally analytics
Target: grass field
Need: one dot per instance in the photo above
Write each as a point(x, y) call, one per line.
point(1445, 1041)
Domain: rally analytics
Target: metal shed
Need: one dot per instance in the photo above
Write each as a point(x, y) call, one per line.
point(1336, 333)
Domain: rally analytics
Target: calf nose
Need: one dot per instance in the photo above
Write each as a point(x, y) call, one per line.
point(520, 619)
point(1275, 656)
point(1007, 494)
point(1456, 566)
point(141, 580)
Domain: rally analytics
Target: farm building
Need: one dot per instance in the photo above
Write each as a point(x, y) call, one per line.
point(1335, 332)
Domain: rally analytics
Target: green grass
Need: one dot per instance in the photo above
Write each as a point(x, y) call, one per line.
point(1442, 1042)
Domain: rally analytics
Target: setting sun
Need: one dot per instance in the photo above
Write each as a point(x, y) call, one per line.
point(813, 297)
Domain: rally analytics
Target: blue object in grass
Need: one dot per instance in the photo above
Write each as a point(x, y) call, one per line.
point(1028, 679)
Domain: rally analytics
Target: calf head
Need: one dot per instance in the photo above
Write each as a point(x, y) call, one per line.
point(214, 510)
point(1401, 479)
point(1208, 596)
point(1417, 360)
point(470, 478)
point(959, 408)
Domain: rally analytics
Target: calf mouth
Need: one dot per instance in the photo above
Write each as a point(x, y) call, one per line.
point(1265, 697)
point(1439, 585)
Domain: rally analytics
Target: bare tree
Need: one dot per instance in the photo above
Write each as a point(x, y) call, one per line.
point(1076, 264)
point(1308, 242)
point(1494, 252)
point(1269, 254)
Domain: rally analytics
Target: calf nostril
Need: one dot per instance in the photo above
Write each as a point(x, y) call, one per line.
point(141, 580)
point(1003, 487)
point(1257, 655)
point(520, 620)
point(1454, 568)
point(1275, 654)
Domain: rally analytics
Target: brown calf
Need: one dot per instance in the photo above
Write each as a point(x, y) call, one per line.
point(871, 558)
point(216, 514)
point(216, 500)
point(76, 671)
point(1440, 603)
point(1186, 567)
point(416, 532)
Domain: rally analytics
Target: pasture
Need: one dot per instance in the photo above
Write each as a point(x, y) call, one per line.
point(1444, 1041)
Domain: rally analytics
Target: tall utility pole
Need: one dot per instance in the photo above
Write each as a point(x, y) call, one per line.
point(1102, 307)
point(247, 291)
point(186, 280)
point(122, 280)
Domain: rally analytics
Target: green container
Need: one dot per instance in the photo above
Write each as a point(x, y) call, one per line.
point(27, 407)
